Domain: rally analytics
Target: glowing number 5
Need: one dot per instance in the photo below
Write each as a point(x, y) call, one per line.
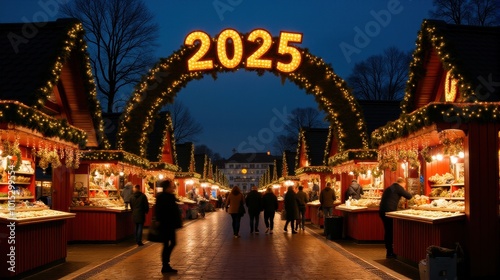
point(284, 48)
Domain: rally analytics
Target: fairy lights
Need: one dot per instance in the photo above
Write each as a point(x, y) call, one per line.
point(161, 85)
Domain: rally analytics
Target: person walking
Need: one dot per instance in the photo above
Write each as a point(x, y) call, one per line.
point(388, 203)
point(302, 199)
point(327, 199)
point(270, 206)
point(354, 191)
point(126, 194)
point(169, 217)
point(232, 205)
point(254, 205)
point(291, 209)
point(140, 207)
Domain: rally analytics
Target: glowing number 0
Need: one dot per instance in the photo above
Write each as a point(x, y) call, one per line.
point(222, 51)
point(284, 48)
point(195, 62)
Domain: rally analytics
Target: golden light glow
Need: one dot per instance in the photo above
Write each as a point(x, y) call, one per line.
point(284, 48)
point(195, 62)
point(255, 60)
point(450, 88)
point(237, 47)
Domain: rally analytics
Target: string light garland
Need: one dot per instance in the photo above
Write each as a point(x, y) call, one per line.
point(17, 113)
point(162, 83)
point(436, 112)
point(73, 46)
point(432, 35)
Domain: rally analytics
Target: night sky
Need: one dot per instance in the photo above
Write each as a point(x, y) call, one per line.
point(240, 105)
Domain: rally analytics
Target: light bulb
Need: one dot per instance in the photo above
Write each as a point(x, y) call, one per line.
point(461, 155)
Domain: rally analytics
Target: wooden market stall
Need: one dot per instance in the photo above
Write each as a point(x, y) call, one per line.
point(312, 170)
point(361, 219)
point(48, 111)
point(101, 214)
point(449, 133)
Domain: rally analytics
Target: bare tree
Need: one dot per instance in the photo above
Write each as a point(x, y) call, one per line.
point(186, 129)
point(284, 143)
point(452, 11)
point(303, 117)
point(298, 118)
point(473, 12)
point(485, 12)
point(121, 36)
point(381, 77)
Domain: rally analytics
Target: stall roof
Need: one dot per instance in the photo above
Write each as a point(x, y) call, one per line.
point(315, 140)
point(185, 156)
point(50, 71)
point(470, 52)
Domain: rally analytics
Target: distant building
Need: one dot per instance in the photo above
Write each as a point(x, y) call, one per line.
point(245, 169)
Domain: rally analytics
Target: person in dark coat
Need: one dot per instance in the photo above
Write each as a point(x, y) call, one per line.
point(388, 203)
point(169, 217)
point(327, 199)
point(302, 199)
point(291, 209)
point(127, 193)
point(140, 207)
point(354, 191)
point(254, 205)
point(270, 206)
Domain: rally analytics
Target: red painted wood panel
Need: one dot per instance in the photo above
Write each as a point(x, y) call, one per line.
point(364, 226)
point(412, 238)
point(102, 226)
point(482, 200)
point(315, 220)
point(35, 245)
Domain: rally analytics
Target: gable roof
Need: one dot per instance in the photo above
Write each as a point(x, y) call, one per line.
point(52, 61)
point(185, 156)
point(469, 52)
point(315, 140)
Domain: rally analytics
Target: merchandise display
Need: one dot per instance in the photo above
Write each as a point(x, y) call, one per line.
point(428, 216)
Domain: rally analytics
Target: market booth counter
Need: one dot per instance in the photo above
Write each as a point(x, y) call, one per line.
point(362, 223)
point(313, 208)
point(101, 224)
point(34, 239)
point(415, 230)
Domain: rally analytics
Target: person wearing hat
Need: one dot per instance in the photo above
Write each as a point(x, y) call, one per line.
point(126, 194)
point(355, 190)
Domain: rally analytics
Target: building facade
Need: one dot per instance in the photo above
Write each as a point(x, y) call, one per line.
point(245, 169)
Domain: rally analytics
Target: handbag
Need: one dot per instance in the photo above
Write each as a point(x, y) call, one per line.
point(154, 232)
point(241, 210)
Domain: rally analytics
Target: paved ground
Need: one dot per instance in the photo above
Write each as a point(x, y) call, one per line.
point(207, 250)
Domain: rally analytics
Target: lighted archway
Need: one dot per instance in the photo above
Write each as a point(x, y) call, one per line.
point(170, 75)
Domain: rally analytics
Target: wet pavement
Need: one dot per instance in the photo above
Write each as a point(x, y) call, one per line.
point(206, 249)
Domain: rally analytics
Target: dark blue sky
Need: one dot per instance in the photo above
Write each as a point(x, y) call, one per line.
point(242, 110)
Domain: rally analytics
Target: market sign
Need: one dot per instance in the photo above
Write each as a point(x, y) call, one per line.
point(257, 50)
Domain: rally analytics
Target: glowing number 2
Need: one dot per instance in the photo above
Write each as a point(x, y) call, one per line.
point(254, 60)
point(195, 62)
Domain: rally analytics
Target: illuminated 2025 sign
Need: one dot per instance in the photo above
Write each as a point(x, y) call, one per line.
point(257, 50)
